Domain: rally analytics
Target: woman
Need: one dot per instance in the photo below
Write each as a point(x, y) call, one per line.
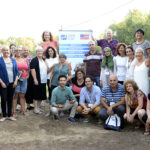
point(141, 71)
point(135, 102)
point(146, 117)
point(51, 61)
point(107, 67)
point(59, 69)
point(39, 79)
point(12, 50)
point(77, 83)
point(48, 41)
point(22, 82)
point(130, 63)
point(140, 42)
point(120, 62)
point(8, 81)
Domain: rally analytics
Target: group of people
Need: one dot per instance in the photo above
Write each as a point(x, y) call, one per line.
point(115, 81)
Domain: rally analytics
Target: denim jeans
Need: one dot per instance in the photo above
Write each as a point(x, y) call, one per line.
point(96, 80)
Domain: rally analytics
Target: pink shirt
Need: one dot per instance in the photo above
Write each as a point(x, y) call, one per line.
point(53, 44)
point(22, 66)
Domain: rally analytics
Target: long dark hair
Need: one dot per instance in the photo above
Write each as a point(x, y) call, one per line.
point(47, 52)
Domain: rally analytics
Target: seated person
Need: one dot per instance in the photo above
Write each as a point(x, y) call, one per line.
point(113, 99)
point(78, 83)
point(134, 98)
point(146, 117)
point(63, 99)
point(89, 99)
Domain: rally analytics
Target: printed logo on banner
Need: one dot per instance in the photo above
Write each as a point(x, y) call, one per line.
point(84, 36)
point(63, 37)
point(71, 36)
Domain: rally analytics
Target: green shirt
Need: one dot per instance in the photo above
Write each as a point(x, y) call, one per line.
point(59, 71)
point(60, 96)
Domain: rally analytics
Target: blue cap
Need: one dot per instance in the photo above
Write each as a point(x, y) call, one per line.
point(141, 30)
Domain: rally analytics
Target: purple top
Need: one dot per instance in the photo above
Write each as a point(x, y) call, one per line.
point(112, 45)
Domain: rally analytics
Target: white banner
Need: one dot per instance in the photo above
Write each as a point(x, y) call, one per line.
point(74, 44)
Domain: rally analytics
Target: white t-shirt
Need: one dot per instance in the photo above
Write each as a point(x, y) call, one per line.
point(43, 71)
point(50, 63)
point(120, 67)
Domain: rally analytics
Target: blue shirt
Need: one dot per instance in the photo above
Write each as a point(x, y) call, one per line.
point(3, 70)
point(114, 96)
point(92, 97)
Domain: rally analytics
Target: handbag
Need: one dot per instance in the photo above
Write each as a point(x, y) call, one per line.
point(113, 122)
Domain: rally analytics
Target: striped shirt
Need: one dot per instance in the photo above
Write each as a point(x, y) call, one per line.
point(114, 96)
point(93, 63)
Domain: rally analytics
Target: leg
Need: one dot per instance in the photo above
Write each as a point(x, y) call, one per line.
point(15, 102)
point(141, 113)
point(103, 114)
point(120, 110)
point(3, 100)
point(10, 99)
point(97, 110)
point(97, 81)
point(54, 110)
point(22, 102)
point(35, 106)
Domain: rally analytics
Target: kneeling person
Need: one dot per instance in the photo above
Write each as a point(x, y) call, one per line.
point(63, 99)
point(89, 99)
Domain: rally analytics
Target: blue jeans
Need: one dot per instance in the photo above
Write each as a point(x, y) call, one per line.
point(96, 80)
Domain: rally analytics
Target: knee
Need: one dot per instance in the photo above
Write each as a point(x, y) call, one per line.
point(79, 109)
point(102, 115)
point(141, 113)
point(75, 104)
point(97, 110)
point(54, 110)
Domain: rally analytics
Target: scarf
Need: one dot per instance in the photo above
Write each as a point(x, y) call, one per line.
point(108, 60)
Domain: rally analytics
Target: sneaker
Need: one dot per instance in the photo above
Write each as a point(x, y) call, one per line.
point(14, 114)
point(71, 120)
point(56, 118)
point(3, 119)
point(86, 120)
point(12, 118)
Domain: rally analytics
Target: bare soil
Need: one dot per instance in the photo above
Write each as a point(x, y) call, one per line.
point(37, 132)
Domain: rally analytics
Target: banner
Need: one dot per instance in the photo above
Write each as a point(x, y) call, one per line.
point(74, 44)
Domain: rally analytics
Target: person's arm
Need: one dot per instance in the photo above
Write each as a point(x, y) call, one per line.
point(127, 108)
point(69, 75)
point(148, 110)
point(103, 102)
point(2, 84)
point(33, 73)
point(85, 68)
point(140, 105)
point(82, 99)
point(17, 75)
point(121, 102)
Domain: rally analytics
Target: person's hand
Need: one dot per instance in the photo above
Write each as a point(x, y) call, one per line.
point(71, 102)
point(15, 84)
point(60, 106)
point(54, 65)
point(36, 82)
point(3, 85)
point(110, 111)
point(131, 118)
point(86, 111)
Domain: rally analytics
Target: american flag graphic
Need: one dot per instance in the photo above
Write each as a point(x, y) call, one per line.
point(84, 36)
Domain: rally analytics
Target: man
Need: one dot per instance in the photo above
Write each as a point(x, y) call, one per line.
point(108, 42)
point(63, 99)
point(140, 42)
point(92, 63)
point(113, 99)
point(89, 99)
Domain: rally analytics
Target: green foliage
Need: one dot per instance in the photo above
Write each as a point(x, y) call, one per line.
point(20, 41)
point(125, 30)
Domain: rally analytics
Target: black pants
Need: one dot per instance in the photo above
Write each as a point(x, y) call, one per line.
point(7, 98)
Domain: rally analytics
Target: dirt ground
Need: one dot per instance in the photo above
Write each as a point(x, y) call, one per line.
point(37, 132)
